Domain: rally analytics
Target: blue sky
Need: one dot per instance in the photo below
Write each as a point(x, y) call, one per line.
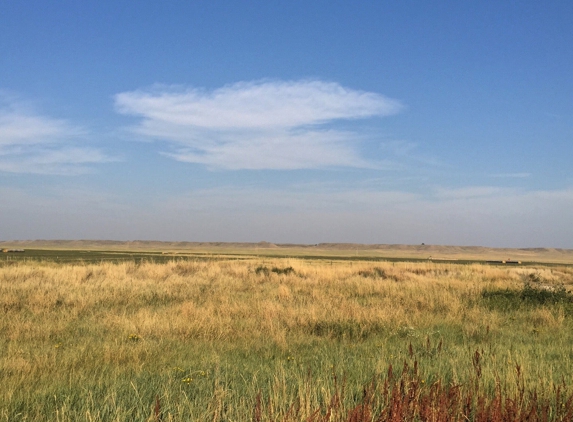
point(320, 121)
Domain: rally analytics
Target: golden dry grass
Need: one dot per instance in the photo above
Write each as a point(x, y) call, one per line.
point(95, 332)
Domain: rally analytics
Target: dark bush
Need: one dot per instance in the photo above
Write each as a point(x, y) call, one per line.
point(377, 272)
point(531, 294)
point(262, 270)
point(286, 271)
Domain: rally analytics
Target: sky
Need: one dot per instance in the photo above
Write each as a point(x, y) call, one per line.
point(406, 122)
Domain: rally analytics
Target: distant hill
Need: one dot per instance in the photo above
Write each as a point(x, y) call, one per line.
point(553, 255)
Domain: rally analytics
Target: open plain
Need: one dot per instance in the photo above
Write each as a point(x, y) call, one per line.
point(235, 332)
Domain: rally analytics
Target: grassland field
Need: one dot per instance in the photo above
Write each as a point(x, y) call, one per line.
point(118, 335)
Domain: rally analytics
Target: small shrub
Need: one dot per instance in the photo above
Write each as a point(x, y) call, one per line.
point(532, 278)
point(545, 294)
point(262, 270)
point(532, 294)
point(286, 271)
point(377, 272)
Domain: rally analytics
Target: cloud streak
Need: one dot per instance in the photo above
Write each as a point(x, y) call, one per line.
point(511, 175)
point(257, 125)
point(33, 143)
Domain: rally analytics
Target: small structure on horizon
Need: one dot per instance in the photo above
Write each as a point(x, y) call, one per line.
point(505, 261)
point(13, 250)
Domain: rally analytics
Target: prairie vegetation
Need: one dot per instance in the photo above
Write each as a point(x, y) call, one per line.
point(284, 339)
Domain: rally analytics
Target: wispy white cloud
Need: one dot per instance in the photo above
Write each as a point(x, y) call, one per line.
point(33, 143)
point(257, 125)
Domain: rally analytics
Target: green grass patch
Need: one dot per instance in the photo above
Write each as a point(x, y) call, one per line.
point(531, 295)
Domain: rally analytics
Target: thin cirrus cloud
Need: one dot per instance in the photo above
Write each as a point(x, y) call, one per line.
point(257, 125)
point(32, 143)
point(511, 175)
